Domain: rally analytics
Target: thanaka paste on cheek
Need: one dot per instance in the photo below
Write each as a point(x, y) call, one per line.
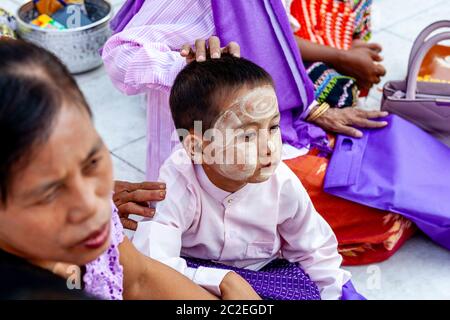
point(240, 158)
point(274, 158)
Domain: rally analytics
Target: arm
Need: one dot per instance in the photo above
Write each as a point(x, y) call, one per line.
point(145, 55)
point(162, 242)
point(312, 52)
point(161, 238)
point(145, 278)
point(223, 283)
point(360, 61)
point(309, 240)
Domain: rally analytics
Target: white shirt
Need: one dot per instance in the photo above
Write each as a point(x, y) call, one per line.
point(246, 229)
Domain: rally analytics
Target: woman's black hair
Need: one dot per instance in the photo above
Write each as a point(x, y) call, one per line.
point(34, 86)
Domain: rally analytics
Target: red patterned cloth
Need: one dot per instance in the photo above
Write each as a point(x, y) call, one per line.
point(333, 23)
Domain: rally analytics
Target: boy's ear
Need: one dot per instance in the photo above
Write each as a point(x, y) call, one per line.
point(194, 147)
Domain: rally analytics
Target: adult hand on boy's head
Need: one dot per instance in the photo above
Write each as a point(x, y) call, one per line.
point(133, 198)
point(210, 48)
point(342, 120)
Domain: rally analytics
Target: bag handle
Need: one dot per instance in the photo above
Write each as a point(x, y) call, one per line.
point(413, 70)
point(423, 35)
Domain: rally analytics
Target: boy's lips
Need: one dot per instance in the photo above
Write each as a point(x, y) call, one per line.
point(97, 238)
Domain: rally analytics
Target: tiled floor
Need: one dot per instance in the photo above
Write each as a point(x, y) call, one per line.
point(421, 269)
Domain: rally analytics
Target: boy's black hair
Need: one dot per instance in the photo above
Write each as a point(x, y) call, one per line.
point(34, 86)
point(199, 89)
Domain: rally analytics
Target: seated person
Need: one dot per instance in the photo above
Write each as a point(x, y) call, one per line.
point(231, 199)
point(60, 234)
point(332, 36)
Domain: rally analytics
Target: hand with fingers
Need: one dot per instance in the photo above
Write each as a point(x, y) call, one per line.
point(362, 61)
point(343, 120)
point(134, 198)
point(210, 48)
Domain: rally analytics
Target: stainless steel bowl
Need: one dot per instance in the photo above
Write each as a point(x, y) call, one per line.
point(79, 47)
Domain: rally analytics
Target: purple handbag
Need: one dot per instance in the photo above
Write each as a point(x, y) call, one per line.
point(399, 168)
point(426, 104)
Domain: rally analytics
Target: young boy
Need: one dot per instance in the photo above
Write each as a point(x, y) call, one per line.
point(230, 199)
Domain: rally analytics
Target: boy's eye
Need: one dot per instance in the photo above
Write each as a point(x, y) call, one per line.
point(275, 128)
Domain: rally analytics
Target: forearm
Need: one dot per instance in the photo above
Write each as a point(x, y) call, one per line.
point(160, 282)
point(146, 278)
point(312, 52)
point(163, 243)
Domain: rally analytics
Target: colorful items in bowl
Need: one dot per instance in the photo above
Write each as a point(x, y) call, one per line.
point(46, 22)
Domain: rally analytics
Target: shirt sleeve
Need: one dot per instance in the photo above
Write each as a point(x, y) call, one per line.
point(145, 55)
point(163, 243)
point(161, 238)
point(309, 240)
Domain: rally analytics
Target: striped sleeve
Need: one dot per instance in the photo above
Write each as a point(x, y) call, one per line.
point(145, 55)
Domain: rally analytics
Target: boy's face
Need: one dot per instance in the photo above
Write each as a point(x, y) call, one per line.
point(244, 144)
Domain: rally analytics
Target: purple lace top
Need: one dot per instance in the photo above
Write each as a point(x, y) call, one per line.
point(104, 276)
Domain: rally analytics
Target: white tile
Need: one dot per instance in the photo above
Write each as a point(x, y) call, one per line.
point(10, 6)
point(386, 13)
point(369, 103)
point(395, 53)
point(409, 29)
point(119, 119)
point(123, 171)
point(90, 75)
point(376, 93)
point(419, 270)
point(134, 153)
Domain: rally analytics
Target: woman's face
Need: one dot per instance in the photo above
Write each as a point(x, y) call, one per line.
point(59, 204)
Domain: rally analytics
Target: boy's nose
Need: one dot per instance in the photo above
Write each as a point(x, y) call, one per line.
point(270, 147)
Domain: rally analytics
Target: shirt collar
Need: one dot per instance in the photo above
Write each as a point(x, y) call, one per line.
point(208, 186)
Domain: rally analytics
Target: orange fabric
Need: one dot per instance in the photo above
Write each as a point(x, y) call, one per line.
point(436, 65)
point(365, 235)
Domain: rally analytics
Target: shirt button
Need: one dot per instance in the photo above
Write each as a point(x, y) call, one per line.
point(230, 200)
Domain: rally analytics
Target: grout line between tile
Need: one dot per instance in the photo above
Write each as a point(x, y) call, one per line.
point(128, 143)
point(128, 163)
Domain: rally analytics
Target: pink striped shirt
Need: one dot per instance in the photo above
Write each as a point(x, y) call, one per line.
point(144, 58)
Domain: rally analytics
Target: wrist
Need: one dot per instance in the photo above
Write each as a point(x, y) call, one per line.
point(317, 112)
point(340, 57)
